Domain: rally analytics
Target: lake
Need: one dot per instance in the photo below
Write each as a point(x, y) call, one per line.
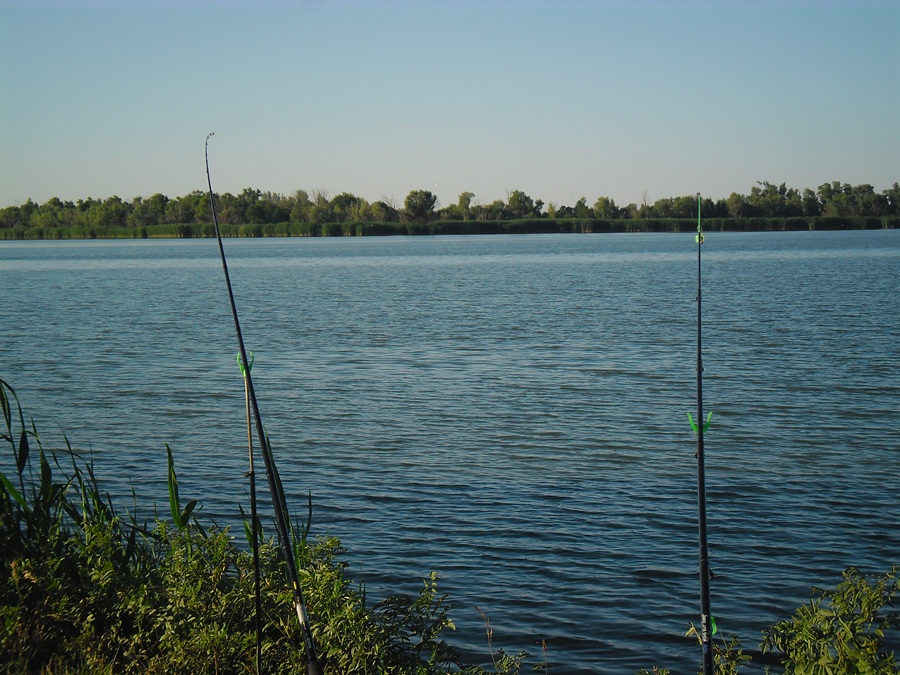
point(509, 411)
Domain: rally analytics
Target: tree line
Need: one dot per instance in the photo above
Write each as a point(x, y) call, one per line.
point(257, 213)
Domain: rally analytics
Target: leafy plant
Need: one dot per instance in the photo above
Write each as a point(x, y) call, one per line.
point(840, 631)
point(180, 516)
point(728, 655)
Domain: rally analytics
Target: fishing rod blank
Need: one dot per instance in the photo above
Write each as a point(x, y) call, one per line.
point(707, 622)
point(254, 520)
point(275, 488)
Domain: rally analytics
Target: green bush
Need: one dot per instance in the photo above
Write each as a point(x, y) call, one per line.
point(840, 631)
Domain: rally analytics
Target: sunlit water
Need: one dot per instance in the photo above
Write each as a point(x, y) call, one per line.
point(510, 412)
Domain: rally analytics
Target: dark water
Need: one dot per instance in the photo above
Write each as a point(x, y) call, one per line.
point(507, 411)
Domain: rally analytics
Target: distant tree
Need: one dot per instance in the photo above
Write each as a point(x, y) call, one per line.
point(82, 208)
point(111, 212)
point(793, 203)
point(320, 211)
point(661, 208)
point(563, 211)
point(345, 207)
point(54, 213)
point(300, 204)
point(645, 210)
point(768, 200)
point(520, 205)
point(836, 199)
point(139, 214)
point(184, 209)
point(496, 210)
point(360, 211)
point(892, 196)
point(230, 209)
point(156, 207)
point(867, 202)
point(714, 209)
point(254, 209)
point(809, 203)
point(738, 207)
point(605, 209)
point(684, 207)
point(464, 203)
point(276, 208)
point(9, 217)
point(451, 212)
point(382, 212)
point(419, 206)
point(150, 211)
point(26, 211)
point(581, 209)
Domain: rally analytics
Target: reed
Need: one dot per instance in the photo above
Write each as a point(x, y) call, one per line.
point(543, 225)
point(85, 587)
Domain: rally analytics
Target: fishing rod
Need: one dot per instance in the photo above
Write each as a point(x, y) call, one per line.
point(279, 504)
point(254, 519)
point(707, 621)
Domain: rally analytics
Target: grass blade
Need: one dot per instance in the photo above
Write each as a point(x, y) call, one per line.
point(174, 501)
point(14, 493)
point(188, 510)
point(22, 452)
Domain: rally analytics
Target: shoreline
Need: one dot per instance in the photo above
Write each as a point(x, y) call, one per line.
point(457, 228)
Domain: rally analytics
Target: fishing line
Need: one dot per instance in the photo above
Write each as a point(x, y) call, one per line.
point(278, 502)
point(275, 172)
point(707, 621)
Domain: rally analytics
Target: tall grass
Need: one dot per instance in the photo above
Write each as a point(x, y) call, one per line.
point(452, 227)
point(87, 588)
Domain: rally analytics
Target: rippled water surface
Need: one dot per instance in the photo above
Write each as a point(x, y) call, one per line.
point(507, 411)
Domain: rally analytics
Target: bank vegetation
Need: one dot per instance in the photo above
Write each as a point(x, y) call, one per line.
point(87, 587)
point(254, 213)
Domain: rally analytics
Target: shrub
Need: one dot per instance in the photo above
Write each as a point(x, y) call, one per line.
point(840, 631)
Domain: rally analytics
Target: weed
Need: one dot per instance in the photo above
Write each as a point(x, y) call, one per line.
point(840, 631)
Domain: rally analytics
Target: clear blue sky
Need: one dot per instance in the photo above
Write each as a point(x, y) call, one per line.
point(561, 99)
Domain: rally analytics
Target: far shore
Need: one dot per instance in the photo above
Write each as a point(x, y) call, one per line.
point(454, 227)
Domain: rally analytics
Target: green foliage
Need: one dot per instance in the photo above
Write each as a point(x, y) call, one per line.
point(254, 213)
point(728, 655)
point(840, 631)
point(84, 589)
point(67, 558)
point(180, 516)
point(419, 206)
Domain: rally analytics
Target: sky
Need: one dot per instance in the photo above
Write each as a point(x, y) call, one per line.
point(634, 100)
